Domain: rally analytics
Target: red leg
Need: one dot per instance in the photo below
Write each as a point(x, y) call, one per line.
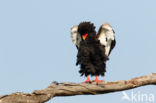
point(97, 80)
point(88, 80)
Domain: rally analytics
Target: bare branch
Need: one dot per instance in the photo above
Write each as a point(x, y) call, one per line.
point(71, 89)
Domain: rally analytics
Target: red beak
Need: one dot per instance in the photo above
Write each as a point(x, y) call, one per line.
point(84, 36)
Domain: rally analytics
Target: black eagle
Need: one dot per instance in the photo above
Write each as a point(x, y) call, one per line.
point(93, 48)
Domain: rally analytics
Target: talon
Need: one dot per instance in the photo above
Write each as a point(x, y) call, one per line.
point(97, 80)
point(88, 80)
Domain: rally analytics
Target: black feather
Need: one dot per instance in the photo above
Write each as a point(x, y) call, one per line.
point(91, 55)
point(112, 45)
point(86, 27)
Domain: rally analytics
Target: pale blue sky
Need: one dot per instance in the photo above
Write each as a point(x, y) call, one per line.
point(36, 48)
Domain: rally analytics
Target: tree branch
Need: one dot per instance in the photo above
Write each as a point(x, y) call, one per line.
point(71, 89)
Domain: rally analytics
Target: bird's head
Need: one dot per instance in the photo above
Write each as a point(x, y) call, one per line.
point(85, 29)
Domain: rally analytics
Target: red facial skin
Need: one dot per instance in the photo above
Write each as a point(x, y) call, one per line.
point(84, 36)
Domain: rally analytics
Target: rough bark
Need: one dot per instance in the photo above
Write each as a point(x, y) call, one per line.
point(70, 89)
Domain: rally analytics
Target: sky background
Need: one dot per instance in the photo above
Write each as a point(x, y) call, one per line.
point(36, 48)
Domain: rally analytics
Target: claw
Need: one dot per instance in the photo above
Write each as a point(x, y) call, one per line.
point(97, 80)
point(88, 80)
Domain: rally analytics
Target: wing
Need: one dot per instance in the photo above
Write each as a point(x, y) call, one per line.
point(75, 36)
point(112, 45)
point(106, 37)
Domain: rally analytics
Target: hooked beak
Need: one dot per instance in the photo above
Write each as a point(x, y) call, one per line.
point(84, 36)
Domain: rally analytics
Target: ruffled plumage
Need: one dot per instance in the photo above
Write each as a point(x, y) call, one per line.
point(91, 56)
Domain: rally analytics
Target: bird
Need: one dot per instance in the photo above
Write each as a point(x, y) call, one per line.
point(93, 48)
